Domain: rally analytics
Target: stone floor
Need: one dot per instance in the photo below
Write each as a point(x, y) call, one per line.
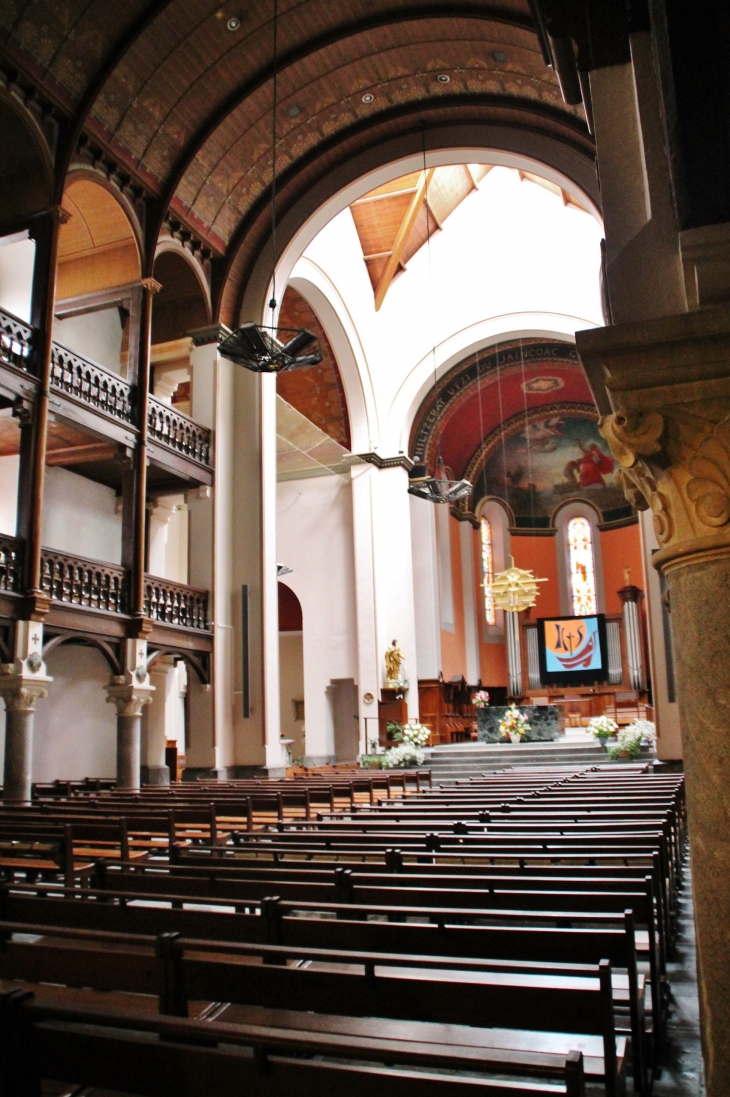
point(681, 1060)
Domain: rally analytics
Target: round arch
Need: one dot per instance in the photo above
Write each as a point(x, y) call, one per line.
point(192, 661)
point(184, 301)
point(26, 167)
point(246, 284)
point(100, 246)
point(106, 649)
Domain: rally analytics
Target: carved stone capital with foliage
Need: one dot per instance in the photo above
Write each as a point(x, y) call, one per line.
point(129, 699)
point(676, 463)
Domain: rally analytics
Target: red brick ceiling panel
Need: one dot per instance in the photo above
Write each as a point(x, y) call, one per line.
point(317, 391)
point(63, 44)
point(471, 404)
point(398, 64)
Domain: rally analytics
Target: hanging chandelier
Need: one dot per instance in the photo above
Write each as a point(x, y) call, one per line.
point(258, 347)
point(270, 349)
point(437, 489)
point(515, 589)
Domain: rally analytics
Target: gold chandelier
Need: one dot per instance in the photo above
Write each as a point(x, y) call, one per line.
point(515, 589)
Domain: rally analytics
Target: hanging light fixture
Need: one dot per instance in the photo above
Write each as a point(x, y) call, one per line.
point(268, 348)
point(438, 488)
point(515, 589)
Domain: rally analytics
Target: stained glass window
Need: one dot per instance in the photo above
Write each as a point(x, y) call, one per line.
point(490, 610)
point(582, 574)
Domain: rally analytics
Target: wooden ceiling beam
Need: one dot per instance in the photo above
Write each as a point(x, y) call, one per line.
point(401, 239)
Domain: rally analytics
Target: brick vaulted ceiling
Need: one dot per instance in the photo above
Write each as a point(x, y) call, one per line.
point(182, 104)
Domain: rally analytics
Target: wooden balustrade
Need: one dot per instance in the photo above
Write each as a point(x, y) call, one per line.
point(78, 581)
point(81, 582)
point(11, 563)
point(173, 429)
point(16, 341)
point(91, 384)
point(176, 603)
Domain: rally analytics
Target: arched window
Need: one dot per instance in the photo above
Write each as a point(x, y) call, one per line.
point(582, 572)
point(490, 609)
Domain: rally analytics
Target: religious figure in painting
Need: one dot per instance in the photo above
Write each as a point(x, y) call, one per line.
point(393, 662)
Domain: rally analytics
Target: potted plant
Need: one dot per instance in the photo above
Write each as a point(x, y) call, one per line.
point(602, 728)
point(413, 736)
point(513, 724)
point(630, 740)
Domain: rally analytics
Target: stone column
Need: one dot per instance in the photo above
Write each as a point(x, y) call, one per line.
point(669, 385)
point(22, 682)
point(130, 692)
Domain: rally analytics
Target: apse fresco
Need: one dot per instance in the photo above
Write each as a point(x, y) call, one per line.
point(566, 459)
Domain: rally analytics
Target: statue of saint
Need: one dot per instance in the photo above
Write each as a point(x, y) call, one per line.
point(627, 576)
point(393, 661)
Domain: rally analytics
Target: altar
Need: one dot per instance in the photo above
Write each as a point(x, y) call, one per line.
point(547, 723)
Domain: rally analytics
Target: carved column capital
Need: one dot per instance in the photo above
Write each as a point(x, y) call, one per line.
point(19, 693)
point(129, 699)
point(669, 383)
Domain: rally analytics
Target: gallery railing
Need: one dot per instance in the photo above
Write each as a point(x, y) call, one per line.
point(176, 603)
point(81, 582)
point(91, 384)
point(11, 563)
point(179, 432)
point(16, 341)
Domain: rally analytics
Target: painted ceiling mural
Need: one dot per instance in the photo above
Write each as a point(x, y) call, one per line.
point(518, 421)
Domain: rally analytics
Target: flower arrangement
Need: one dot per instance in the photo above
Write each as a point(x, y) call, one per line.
point(602, 727)
point(630, 740)
point(513, 724)
point(405, 754)
point(480, 699)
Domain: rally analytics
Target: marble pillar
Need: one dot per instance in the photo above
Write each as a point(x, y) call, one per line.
point(668, 381)
point(22, 682)
point(129, 693)
point(20, 696)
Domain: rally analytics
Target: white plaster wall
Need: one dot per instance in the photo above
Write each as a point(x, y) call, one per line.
point(17, 257)
point(75, 727)
point(291, 688)
point(80, 518)
point(425, 587)
point(9, 494)
point(511, 258)
point(314, 539)
point(94, 335)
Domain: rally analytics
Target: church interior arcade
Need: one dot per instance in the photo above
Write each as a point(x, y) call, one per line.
point(364, 522)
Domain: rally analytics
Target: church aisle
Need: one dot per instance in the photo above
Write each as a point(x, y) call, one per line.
point(682, 1072)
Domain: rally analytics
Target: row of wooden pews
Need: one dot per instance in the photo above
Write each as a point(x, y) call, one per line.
point(511, 933)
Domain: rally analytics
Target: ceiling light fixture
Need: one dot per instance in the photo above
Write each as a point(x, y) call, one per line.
point(368, 97)
point(233, 23)
point(499, 56)
point(294, 111)
point(437, 488)
point(443, 78)
point(268, 348)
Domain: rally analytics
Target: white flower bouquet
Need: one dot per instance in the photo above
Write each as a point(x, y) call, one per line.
point(602, 727)
point(630, 740)
point(405, 754)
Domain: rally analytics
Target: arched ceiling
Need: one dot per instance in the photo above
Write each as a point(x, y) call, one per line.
point(182, 104)
point(494, 386)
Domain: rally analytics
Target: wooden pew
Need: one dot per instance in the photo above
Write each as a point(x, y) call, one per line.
point(88, 1044)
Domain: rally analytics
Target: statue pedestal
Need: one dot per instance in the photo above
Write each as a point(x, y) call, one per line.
point(392, 708)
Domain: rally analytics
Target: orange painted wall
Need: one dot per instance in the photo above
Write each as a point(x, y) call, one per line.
point(620, 548)
point(539, 555)
point(453, 645)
